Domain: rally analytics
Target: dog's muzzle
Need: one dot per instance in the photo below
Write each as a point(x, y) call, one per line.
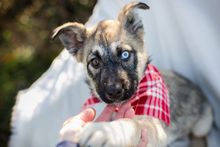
point(114, 93)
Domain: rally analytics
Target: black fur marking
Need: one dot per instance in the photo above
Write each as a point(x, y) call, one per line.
point(97, 54)
point(129, 22)
point(110, 71)
point(143, 6)
point(135, 60)
point(119, 51)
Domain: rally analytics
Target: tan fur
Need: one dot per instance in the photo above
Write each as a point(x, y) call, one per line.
point(106, 38)
point(112, 33)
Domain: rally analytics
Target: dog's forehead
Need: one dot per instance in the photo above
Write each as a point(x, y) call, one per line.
point(105, 36)
point(103, 50)
point(106, 32)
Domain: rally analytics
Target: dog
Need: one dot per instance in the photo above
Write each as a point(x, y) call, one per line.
point(115, 59)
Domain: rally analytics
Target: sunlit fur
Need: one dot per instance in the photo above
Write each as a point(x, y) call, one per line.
point(105, 42)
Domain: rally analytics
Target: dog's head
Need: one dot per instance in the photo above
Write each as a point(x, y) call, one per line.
point(112, 51)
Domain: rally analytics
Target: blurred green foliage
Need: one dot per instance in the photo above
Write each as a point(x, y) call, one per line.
point(26, 50)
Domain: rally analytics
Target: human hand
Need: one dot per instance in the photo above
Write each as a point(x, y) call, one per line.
point(72, 126)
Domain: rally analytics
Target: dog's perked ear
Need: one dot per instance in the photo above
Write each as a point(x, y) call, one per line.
point(129, 18)
point(72, 36)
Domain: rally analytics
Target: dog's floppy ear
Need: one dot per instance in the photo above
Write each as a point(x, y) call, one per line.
point(129, 18)
point(72, 36)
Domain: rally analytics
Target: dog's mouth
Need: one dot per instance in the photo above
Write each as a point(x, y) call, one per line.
point(116, 98)
point(115, 102)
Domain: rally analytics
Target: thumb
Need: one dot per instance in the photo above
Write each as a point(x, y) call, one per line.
point(144, 138)
point(82, 118)
point(86, 115)
point(72, 126)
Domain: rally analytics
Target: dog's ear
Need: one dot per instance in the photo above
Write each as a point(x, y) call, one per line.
point(129, 18)
point(72, 36)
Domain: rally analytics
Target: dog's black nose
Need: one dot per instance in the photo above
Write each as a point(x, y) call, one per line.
point(114, 93)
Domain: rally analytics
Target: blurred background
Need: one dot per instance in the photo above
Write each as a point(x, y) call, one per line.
point(26, 50)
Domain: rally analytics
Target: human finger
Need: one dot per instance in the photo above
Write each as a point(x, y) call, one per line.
point(73, 125)
point(83, 117)
point(106, 114)
point(144, 138)
point(129, 113)
point(122, 110)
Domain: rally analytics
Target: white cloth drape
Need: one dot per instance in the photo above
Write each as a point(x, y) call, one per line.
point(181, 35)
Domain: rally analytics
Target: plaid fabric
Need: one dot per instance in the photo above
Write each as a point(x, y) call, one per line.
point(151, 97)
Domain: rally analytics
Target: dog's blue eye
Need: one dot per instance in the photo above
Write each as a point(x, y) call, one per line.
point(95, 62)
point(125, 55)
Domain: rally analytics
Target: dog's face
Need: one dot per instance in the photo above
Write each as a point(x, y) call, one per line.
point(112, 52)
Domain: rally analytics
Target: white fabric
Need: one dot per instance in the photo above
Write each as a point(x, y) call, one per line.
point(181, 35)
point(41, 110)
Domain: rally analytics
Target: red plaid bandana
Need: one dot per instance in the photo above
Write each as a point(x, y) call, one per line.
point(151, 97)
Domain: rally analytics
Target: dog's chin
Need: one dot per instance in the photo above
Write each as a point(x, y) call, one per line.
point(115, 102)
point(118, 103)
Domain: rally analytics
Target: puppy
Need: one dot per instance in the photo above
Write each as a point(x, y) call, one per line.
point(117, 66)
